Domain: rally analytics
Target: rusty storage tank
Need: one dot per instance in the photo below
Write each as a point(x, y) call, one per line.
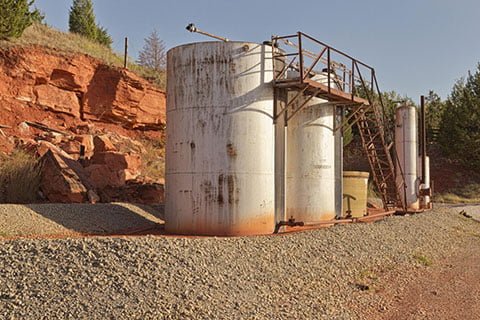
point(220, 139)
point(311, 173)
point(406, 146)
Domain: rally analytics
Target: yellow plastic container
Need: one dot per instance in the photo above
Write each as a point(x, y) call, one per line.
point(355, 189)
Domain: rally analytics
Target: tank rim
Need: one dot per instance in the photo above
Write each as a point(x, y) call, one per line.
point(218, 42)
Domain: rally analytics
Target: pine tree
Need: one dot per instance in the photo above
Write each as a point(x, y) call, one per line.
point(153, 54)
point(82, 21)
point(434, 109)
point(15, 17)
point(103, 37)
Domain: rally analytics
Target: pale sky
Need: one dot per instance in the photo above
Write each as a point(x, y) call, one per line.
point(414, 45)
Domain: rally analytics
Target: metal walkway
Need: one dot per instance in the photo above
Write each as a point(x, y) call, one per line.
point(311, 68)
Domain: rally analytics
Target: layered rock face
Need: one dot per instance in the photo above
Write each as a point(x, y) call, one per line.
point(86, 120)
point(122, 97)
point(80, 86)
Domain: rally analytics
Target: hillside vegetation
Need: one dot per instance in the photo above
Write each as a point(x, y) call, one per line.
point(71, 43)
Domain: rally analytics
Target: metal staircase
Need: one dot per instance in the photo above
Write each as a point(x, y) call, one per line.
point(379, 154)
point(310, 68)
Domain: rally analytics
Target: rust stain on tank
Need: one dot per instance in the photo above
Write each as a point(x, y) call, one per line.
point(258, 223)
point(232, 191)
point(231, 150)
point(207, 189)
point(192, 151)
point(220, 199)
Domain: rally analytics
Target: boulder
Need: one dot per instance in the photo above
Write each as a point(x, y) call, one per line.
point(101, 176)
point(57, 100)
point(103, 144)
point(44, 146)
point(118, 160)
point(59, 182)
point(112, 169)
point(72, 147)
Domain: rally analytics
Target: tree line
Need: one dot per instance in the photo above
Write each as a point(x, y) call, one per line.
point(452, 125)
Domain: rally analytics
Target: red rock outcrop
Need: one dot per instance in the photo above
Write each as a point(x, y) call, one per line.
point(59, 107)
point(120, 96)
point(79, 86)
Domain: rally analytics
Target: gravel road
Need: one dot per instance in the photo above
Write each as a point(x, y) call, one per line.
point(18, 220)
point(316, 274)
point(472, 210)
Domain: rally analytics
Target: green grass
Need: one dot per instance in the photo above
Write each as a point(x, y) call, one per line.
point(469, 193)
point(20, 175)
point(70, 43)
point(422, 259)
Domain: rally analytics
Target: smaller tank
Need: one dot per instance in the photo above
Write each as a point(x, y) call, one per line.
point(310, 187)
point(355, 193)
point(406, 146)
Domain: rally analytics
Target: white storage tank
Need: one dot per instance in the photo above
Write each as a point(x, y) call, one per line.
point(406, 145)
point(311, 178)
point(220, 139)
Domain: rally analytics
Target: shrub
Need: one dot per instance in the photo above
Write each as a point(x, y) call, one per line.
point(20, 175)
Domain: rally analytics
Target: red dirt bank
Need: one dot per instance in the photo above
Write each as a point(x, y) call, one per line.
point(65, 92)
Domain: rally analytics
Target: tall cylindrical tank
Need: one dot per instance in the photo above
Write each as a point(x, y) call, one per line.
point(311, 162)
point(220, 139)
point(406, 146)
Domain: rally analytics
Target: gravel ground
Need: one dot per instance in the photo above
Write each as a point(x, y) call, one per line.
point(73, 219)
point(316, 274)
point(472, 210)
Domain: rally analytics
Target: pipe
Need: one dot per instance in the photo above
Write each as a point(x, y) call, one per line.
point(290, 223)
point(192, 28)
point(423, 137)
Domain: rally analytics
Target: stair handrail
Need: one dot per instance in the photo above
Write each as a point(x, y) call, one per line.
point(370, 88)
point(304, 71)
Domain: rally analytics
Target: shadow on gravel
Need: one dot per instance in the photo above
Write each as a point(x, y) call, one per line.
point(104, 218)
